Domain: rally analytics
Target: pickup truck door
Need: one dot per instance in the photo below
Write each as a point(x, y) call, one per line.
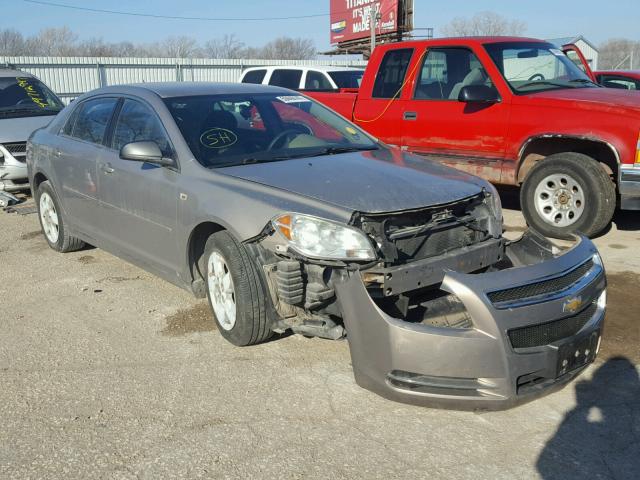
point(139, 201)
point(576, 56)
point(468, 136)
point(378, 108)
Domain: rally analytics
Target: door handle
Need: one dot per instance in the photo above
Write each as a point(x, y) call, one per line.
point(58, 153)
point(107, 168)
point(410, 115)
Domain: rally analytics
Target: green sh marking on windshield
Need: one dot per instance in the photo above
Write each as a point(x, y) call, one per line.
point(218, 138)
point(32, 92)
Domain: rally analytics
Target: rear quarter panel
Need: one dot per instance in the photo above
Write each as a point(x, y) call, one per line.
point(340, 102)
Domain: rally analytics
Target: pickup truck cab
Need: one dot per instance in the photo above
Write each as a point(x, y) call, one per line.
point(515, 111)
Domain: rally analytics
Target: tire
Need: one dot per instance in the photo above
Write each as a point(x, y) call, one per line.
point(245, 321)
point(49, 212)
point(568, 193)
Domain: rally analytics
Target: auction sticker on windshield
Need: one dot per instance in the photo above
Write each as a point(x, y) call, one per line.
point(34, 95)
point(293, 99)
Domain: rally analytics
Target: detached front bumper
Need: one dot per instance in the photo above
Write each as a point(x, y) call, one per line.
point(629, 187)
point(536, 327)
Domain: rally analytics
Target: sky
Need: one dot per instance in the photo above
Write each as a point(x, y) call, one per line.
point(596, 20)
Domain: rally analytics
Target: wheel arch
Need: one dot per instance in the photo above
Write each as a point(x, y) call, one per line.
point(196, 245)
point(38, 178)
point(539, 147)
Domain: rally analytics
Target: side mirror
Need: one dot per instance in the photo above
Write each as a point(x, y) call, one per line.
point(479, 94)
point(145, 152)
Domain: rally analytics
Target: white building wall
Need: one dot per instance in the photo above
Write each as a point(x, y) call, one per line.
point(589, 53)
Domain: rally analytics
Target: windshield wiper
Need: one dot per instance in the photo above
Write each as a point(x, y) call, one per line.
point(337, 150)
point(584, 81)
point(544, 82)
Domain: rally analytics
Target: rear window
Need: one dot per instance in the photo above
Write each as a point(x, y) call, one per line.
point(254, 76)
point(347, 79)
point(390, 76)
point(286, 78)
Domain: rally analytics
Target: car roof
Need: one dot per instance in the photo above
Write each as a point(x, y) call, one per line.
point(186, 89)
point(450, 41)
point(10, 72)
point(318, 68)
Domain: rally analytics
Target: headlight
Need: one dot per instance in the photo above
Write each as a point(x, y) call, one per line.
point(317, 238)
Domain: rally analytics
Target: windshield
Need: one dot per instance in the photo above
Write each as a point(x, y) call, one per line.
point(347, 79)
point(26, 96)
point(226, 130)
point(531, 67)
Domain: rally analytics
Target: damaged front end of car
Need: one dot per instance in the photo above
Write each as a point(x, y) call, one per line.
point(438, 308)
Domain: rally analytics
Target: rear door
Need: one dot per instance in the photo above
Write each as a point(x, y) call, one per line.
point(77, 151)
point(378, 108)
point(468, 136)
point(139, 200)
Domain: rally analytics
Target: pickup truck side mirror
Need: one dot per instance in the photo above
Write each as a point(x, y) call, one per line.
point(479, 94)
point(145, 152)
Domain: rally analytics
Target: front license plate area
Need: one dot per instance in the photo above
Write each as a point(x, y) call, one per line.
point(577, 353)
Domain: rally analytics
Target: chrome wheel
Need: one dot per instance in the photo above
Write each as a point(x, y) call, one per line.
point(221, 291)
point(559, 200)
point(49, 218)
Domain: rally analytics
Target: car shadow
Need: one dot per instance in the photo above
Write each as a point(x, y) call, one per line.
point(600, 437)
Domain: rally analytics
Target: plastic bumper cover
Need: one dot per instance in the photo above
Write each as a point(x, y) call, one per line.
point(629, 187)
point(476, 368)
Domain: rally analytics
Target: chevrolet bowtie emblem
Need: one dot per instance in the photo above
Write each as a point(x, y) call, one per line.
point(572, 305)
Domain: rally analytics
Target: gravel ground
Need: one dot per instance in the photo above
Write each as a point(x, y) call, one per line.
point(109, 372)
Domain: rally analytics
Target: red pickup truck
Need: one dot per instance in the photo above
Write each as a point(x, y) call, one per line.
point(516, 111)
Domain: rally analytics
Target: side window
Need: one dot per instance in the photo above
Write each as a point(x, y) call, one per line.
point(286, 78)
point(138, 123)
point(610, 81)
point(390, 76)
point(92, 119)
point(317, 81)
point(254, 76)
point(67, 129)
point(446, 71)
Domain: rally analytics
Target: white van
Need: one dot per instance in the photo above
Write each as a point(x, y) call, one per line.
point(304, 78)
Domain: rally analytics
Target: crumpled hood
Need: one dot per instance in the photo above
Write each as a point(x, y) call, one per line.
point(603, 99)
point(14, 129)
point(371, 182)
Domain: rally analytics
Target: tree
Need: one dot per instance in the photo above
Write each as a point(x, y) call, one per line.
point(483, 24)
point(285, 48)
point(57, 42)
point(226, 47)
point(619, 53)
point(180, 47)
point(12, 43)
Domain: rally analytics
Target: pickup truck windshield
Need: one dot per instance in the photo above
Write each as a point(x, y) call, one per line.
point(25, 97)
point(530, 67)
point(347, 79)
point(226, 130)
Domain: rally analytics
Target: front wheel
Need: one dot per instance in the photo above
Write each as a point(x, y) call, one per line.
point(568, 193)
point(235, 291)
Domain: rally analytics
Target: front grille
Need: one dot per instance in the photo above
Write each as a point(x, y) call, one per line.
point(18, 150)
point(546, 333)
point(545, 287)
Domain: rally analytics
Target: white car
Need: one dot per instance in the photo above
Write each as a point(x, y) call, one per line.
point(304, 78)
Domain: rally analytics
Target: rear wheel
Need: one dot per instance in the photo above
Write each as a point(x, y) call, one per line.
point(235, 291)
point(568, 193)
point(52, 222)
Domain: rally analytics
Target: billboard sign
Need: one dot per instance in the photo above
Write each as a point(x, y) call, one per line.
point(351, 19)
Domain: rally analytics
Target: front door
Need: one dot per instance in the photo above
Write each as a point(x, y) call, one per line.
point(469, 136)
point(140, 200)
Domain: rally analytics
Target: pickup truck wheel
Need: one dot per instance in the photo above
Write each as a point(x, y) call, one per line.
point(52, 223)
point(235, 291)
point(568, 193)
